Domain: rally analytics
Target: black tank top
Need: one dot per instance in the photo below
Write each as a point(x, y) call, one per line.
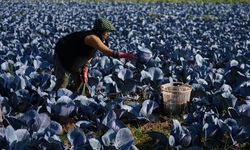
point(72, 46)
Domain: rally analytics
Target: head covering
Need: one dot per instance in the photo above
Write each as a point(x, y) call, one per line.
point(102, 24)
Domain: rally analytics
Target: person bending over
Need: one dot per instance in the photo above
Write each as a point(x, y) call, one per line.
point(75, 51)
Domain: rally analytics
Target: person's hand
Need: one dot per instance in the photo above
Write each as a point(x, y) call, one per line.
point(84, 74)
point(129, 56)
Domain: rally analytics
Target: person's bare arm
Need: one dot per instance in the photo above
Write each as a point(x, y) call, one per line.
point(94, 41)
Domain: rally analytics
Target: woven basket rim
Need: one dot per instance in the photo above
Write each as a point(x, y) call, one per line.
point(183, 87)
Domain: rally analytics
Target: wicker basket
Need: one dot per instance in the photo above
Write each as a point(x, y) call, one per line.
point(175, 97)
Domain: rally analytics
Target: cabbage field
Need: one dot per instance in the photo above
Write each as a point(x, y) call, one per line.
point(206, 45)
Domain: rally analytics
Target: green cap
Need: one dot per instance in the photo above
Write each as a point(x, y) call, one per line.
point(102, 24)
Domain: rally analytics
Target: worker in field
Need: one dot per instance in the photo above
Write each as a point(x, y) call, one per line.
point(74, 52)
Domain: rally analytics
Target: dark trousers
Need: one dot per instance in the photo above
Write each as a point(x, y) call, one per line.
point(64, 78)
